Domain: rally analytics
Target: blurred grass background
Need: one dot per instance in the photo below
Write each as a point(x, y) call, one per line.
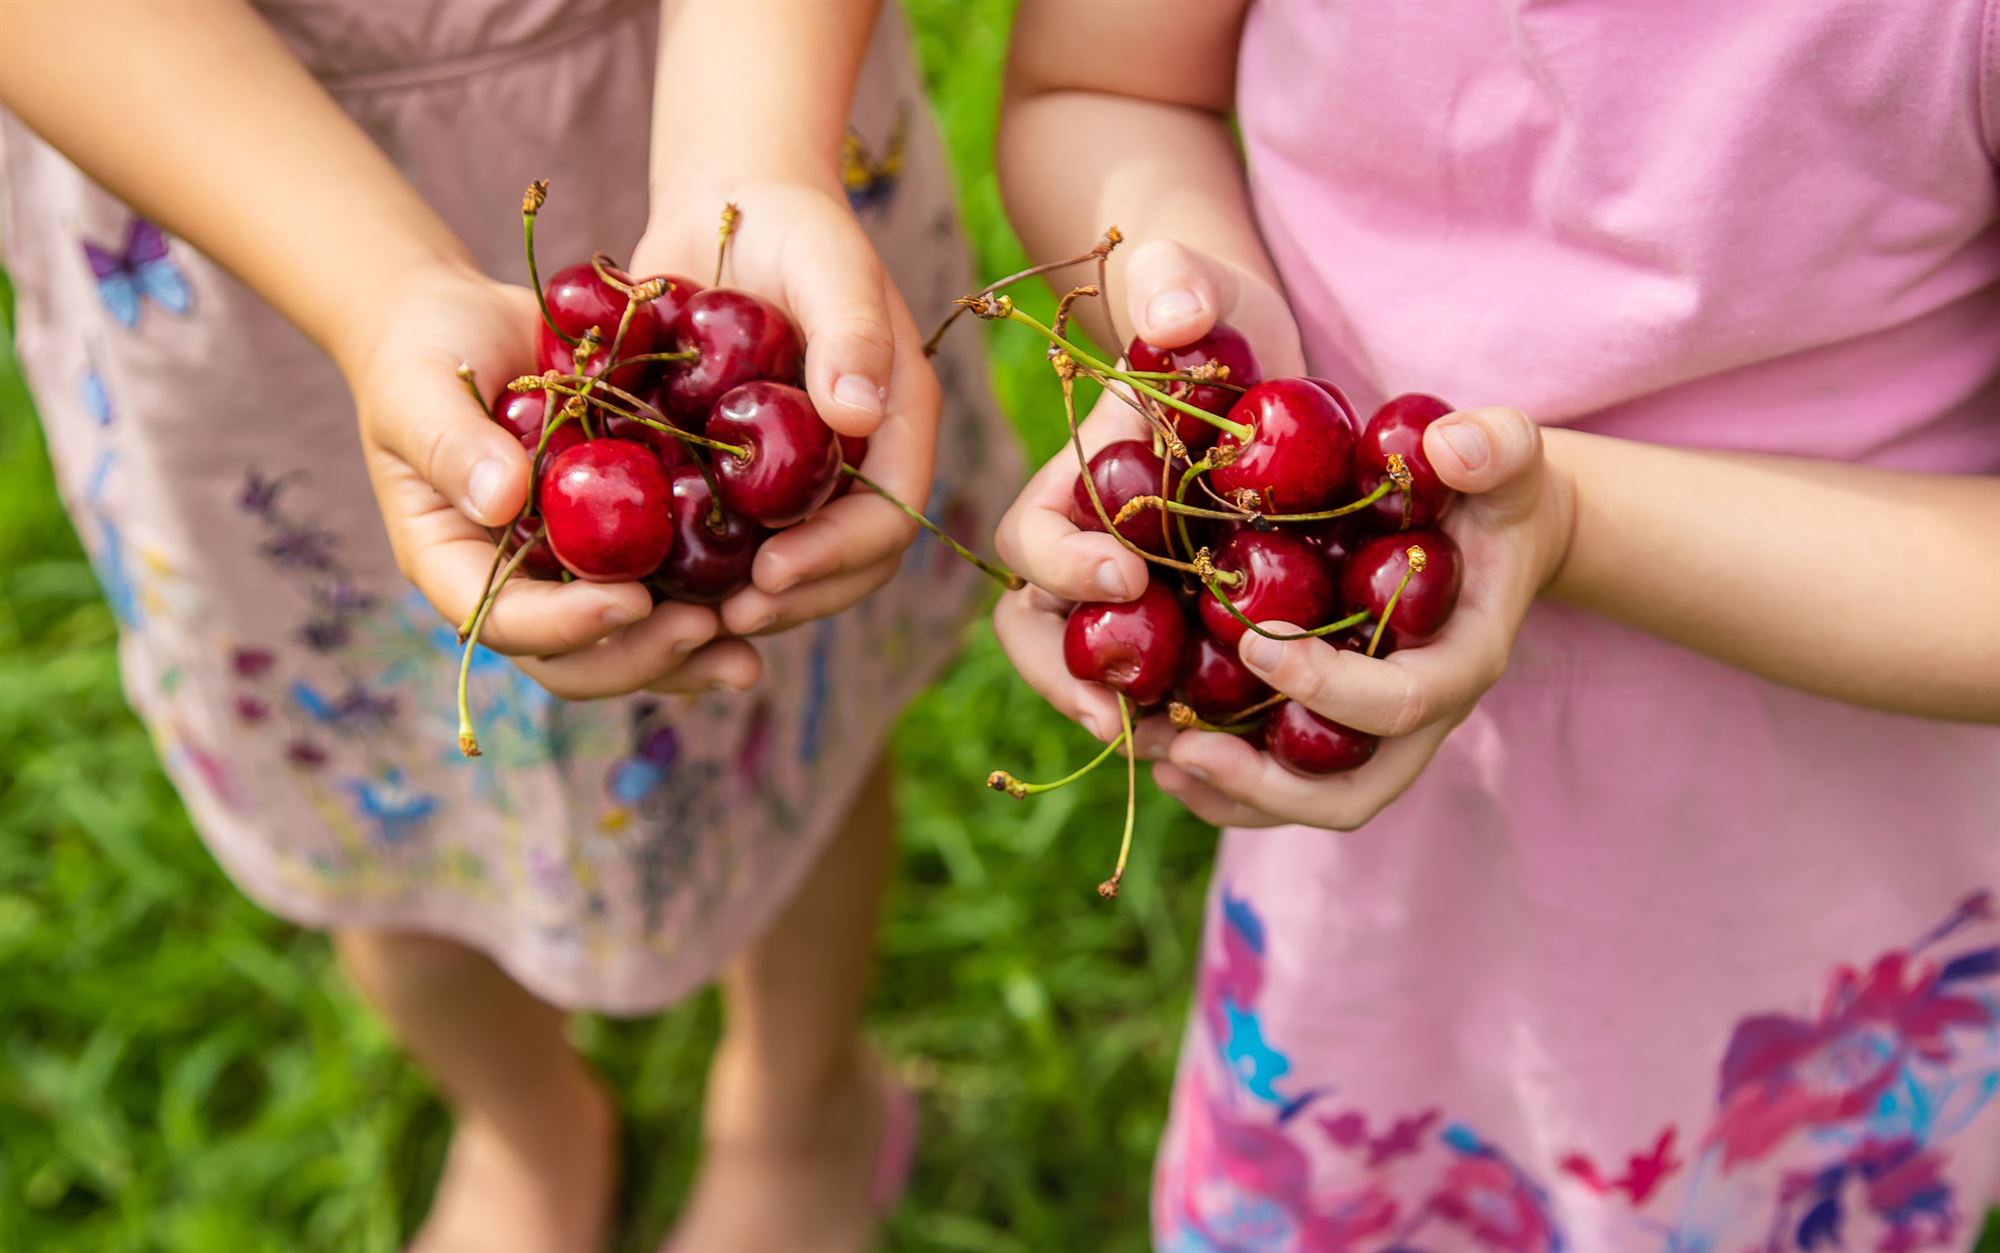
point(180, 1071)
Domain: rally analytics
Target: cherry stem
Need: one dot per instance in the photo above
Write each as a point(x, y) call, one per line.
point(731, 215)
point(471, 381)
point(1194, 471)
point(1185, 718)
point(1109, 888)
point(531, 205)
point(1416, 558)
point(1090, 486)
point(1097, 367)
point(468, 742)
point(492, 572)
point(1001, 781)
point(688, 355)
point(1268, 703)
point(1356, 506)
point(1351, 620)
point(1181, 376)
point(1110, 239)
point(1000, 574)
point(737, 451)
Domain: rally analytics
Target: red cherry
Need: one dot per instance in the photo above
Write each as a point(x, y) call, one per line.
point(521, 414)
point(671, 451)
point(713, 547)
point(578, 300)
point(1214, 681)
point(1283, 580)
point(1378, 566)
point(1333, 538)
point(1300, 451)
point(853, 451)
point(605, 502)
point(1304, 743)
point(794, 461)
point(540, 563)
point(1223, 343)
point(739, 337)
point(1398, 427)
point(1124, 470)
point(1135, 647)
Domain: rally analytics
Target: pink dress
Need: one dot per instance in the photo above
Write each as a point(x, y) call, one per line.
point(609, 854)
point(1657, 955)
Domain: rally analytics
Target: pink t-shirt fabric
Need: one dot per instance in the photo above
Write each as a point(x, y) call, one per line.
point(1657, 955)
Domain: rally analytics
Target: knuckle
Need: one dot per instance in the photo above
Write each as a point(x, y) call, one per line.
point(1408, 708)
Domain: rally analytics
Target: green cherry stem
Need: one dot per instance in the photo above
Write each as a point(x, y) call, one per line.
point(1096, 500)
point(531, 205)
point(1351, 620)
point(492, 572)
point(1111, 239)
point(1001, 781)
point(471, 381)
point(1185, 718)
point(1000, 574)
point(1417, 559)
point(1109, 888)
point(688, 437)
point(468, 741)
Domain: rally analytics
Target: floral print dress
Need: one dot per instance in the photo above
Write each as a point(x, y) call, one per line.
point(610, 855)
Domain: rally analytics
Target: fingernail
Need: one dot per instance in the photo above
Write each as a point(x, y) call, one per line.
point(1172, 306)
point(760, 624)
point(784, 583)
point(1468, 441)
point(682, 648)
point(859, 392)
point(1262, 652)
point(1195, 772)
point(721, 685)
point(622, 615)
point(1092, 724)
point(483, 489)
point(1111, 581)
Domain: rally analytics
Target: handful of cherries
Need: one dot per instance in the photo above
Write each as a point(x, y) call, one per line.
point(1254, 500)
point(669, 437)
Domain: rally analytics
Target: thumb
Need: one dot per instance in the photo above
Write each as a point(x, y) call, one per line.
point(1477, 451)
point(1175, 294)
point(473, 462)
point(842, 306)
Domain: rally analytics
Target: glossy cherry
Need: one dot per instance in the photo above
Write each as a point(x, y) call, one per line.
point(1398, 427)
point(1378, 566)
point(605, 502)
point(1299, 456)
point(540, 563)
point(1214, 681)
point(794, 461)
point(1135, 647)
point(671, 451)
point(521, 414)
point(578, 300)
point(739, 338)
point(1124, 470)
point(1333, 538)
point(1283, 580)
point(1304, 743)
point(1224, 344)
point(713, 546)
point(853, 451)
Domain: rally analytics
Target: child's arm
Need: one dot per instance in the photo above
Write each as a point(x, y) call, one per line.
point(193, 111)
point(751, 107)
point(1865, 585)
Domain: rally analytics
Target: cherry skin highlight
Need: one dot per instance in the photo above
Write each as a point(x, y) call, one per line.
point(713, 547)
point(1304, 743)
point(1214, 681)
point(578, 300)
point(521, 414)
point(1134, 647)
point(1224, 344)
point(739, 338)
point(794, 461)
point(605, 502)
point(1283, 580)
point(1124, 470)
point(1398, 427)
point(1378, 566)
point(1300, 453)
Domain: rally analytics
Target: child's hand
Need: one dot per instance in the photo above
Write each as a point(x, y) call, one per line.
point(799, 246)
point(1512, 529)
point(443, 472)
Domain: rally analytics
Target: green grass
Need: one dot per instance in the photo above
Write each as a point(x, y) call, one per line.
point(179, 1071)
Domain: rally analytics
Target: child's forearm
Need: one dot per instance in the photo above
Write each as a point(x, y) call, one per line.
point(1872, 586)
point(193, 111)
point(1118, 116)
point(754, 89)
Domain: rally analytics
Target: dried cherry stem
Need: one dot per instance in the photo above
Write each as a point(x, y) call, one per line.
point(1139, 504)
point(471, 381)
point(1096, 500)
point(1354, 506)
point(1185, 718)
point(689, 355)
point(1069, 298)
point(1192, 377)
point(492, 572)
point(731, 215)
point(644, 293)
point(468, 741)
point(1109, 888)
point(1351, 620)
point(1417, 559)
point(1002, 309)
point(1001, 781)
point(1000, 574)
point(1109, 240)
point(1262, 706)
point(585, 393)
point(531, 205)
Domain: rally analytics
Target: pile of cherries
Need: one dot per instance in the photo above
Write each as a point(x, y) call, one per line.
point(1310, 516)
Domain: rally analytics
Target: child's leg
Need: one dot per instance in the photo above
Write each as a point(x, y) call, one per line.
point(794, 1112)
point(534, 1157)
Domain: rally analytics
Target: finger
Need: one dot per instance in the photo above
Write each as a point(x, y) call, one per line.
point(628, 660)
point(1482, 450)
point(723, 666)
point(1205, 802)
point(1340, 802)
point(1173, 294)
point(442, 434)
point(1032, 640)
point(1390, 696)
point(1037, 539)
point(838, 292)
point(856, 532)
point(756, 612)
